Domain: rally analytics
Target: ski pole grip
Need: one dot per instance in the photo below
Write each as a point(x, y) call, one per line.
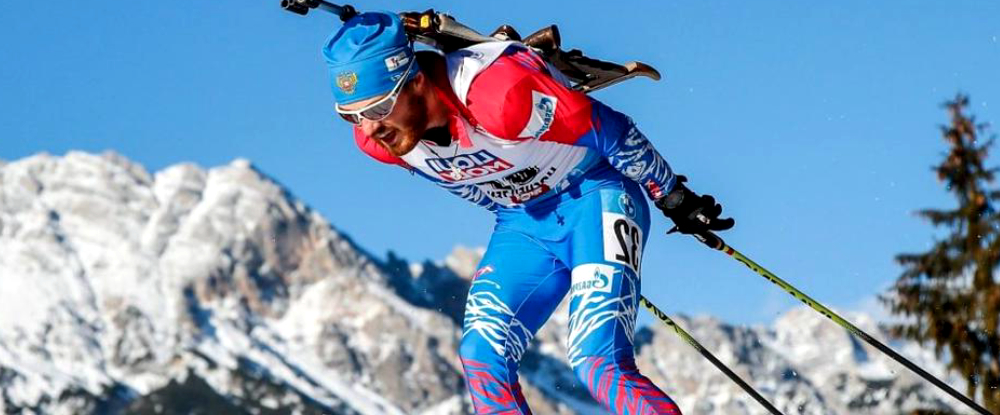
point(710, 240)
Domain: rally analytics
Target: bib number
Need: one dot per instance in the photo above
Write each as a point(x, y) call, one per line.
point(622, 241)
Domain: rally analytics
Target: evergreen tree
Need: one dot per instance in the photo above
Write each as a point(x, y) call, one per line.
point(949, 295)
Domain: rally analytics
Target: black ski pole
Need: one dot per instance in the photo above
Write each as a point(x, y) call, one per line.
point(708, 355)
point(713, 241)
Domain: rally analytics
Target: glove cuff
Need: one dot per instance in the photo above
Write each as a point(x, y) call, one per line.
point(673, 199)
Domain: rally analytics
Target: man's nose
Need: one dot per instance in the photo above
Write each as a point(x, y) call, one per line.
point(369, 127)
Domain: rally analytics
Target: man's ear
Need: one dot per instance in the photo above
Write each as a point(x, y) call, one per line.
point(419, 81)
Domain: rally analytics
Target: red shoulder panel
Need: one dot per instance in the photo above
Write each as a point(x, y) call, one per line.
point(516, 99)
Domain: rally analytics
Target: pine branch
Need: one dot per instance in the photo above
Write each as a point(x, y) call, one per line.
point(940, 217)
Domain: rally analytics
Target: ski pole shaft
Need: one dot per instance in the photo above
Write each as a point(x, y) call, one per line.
point(713, 241)
point(705, 353)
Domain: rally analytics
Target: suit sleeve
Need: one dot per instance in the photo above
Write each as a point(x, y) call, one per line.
point(516, 99)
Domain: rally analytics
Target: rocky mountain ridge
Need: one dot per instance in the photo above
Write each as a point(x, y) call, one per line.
point(216, 291)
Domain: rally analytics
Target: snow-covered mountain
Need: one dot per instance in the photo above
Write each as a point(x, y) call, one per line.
point(216, 291)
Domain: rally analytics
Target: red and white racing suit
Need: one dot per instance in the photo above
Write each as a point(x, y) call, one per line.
point(565, 175)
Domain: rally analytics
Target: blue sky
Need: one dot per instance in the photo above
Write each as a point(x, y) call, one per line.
point(815, 123)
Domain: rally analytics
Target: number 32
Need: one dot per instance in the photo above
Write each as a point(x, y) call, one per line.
point(629, 237)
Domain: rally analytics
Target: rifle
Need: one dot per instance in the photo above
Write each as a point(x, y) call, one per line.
point(444, 33)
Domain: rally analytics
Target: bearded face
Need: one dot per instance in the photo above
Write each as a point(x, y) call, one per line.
point(404, 127)
point(400, 132)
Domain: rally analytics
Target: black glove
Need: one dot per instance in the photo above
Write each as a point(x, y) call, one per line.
point(692, 214)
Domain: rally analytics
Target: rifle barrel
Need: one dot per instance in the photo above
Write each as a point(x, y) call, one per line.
point(332, 8)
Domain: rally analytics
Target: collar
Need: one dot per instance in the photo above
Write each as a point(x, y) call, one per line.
point(433, 66)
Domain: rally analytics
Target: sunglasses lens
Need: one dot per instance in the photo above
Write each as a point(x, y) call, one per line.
point(380, 111)
point(351, 118)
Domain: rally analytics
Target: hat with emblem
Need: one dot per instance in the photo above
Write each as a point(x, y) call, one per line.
point(368, 56)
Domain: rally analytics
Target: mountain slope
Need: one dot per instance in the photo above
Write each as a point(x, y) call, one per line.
point(216, 291)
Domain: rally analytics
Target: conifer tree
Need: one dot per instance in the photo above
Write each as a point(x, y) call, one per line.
point(949, 296)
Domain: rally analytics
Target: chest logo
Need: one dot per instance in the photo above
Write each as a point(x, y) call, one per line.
point(520, 186)
point(468, 166)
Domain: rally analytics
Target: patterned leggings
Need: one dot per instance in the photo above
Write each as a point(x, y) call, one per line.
point(588, 245)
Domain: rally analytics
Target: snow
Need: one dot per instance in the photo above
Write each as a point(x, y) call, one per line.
point(110, 275)
point(452, 405)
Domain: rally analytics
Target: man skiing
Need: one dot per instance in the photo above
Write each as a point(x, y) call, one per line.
point(566, 176)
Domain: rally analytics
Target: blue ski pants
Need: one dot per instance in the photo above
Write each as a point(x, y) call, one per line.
point(587, 243)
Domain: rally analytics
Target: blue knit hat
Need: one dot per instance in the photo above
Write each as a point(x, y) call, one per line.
point(367, 56)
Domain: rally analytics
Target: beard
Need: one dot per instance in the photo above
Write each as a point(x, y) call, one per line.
point(408, 130)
